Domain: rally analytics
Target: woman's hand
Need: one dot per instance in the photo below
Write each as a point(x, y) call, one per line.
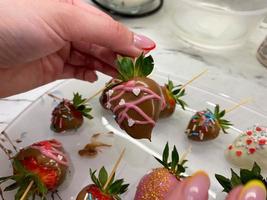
point(45, 40)
point(196, 188)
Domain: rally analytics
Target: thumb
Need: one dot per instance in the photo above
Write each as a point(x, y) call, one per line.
point(194, 188)
point(79, 24)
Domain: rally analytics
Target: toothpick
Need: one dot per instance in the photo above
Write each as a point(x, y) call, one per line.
point(54, 96)
point(193, 79)
point(114, 169)
point(97, 93)
point(9, 140)
point(26, 191)
point(185, 154)
point(243, 102)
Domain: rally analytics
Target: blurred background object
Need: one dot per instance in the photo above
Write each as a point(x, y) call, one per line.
point(218, 24)
point(130, 8)
point(262, 53)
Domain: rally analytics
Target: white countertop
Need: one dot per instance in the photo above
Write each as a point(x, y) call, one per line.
point(233, 72)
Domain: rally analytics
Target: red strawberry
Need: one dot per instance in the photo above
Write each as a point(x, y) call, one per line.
point(68, 115)
point(97, 191)
point(137, 101)
point(172, 94)
point(44, 163)
point(158, 183)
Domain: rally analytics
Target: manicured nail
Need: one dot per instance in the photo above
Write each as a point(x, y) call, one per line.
point(197, 186)
point(144, 43)
point(253, 190)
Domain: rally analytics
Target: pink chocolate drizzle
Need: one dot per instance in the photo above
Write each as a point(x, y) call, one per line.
point(129, 87)
point(51, 149)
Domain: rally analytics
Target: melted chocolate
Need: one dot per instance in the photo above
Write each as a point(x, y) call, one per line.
point(203, 126)
point(136, 105)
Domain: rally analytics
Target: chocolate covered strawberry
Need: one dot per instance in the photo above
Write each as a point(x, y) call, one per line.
point(172, 94)
point(68, 115)
point(137, 101)
point(158, 183)
point(101, 190)
point(42, 166)
point(206, 125)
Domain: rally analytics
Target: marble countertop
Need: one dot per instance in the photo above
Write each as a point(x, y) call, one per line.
point(232, 72)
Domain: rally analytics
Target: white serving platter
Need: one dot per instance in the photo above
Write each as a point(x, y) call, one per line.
point(34, 125)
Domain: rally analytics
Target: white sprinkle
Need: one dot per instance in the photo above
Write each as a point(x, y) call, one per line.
point(110, 92)
point(108, 106)
point(122, 102)
point(136, 91)
point(131, 122)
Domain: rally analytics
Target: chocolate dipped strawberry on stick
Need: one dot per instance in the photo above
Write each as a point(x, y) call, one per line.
point(105, 187)
point(69, 115)
point(206, 125)
point(173, 94)
point(37, 169)
point(135, 99)
point(158, 183)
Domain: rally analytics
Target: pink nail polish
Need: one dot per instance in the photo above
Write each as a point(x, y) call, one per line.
point(197, 187)
point(144, 43)
point(254, 190)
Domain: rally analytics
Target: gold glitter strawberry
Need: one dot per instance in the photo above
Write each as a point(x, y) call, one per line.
point(158, 183)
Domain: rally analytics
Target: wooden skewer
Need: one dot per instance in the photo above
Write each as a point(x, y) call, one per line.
point(186, 153)
point(243, 102)
point(114, 169)
point(54, 96)
point(193, 79)
point(97, 93)
point(26, 191)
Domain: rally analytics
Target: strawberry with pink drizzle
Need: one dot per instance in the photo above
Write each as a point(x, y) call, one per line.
point(44, 163)
point(161, 181)
point(137, 100)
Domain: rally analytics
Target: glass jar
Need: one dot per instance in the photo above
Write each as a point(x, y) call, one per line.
point(130, 8)
point(217, 24)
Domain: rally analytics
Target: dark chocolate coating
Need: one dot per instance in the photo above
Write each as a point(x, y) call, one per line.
point(70, 118)
point(198, 130)
point(169, 108)
point(151, 107)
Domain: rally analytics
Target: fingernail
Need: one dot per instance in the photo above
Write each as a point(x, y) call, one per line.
point(197, 186)
point(144, 43)
point(253, 190)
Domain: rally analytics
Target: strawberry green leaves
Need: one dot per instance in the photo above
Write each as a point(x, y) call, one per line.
point(81, 105)
point(22, 178)
point(244, 177)
point(175, 166)
point(128, 68)
point(114, 188)
point(224, 124)
point(176, 92)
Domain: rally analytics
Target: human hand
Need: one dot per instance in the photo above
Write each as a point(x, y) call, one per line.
point(196, 188)
point(45, 40)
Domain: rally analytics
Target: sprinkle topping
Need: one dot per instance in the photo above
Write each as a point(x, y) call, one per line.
point(251, 141)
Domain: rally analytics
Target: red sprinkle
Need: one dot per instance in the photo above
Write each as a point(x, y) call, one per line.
point(258, 129)
point(238, 153)
point(249, 141)
point(249, 133)
point(262, 141)
point(230, 147)
point(252, 150)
